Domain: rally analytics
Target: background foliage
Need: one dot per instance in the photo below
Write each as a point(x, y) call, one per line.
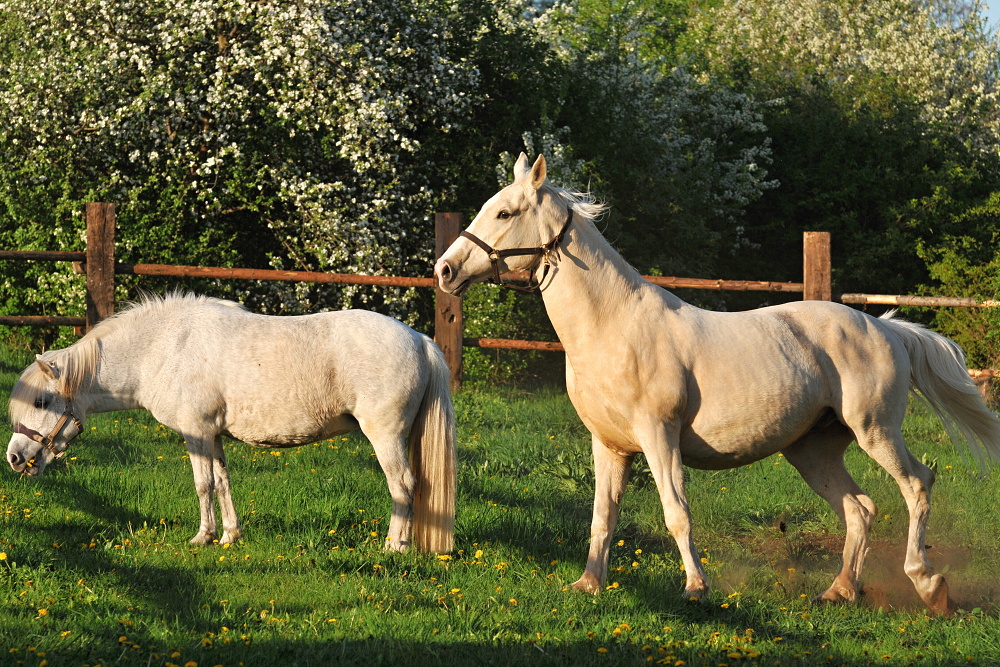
point(323, 135)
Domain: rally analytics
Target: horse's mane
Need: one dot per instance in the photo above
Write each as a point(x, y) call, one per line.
point(78, 363)
point(583, 203)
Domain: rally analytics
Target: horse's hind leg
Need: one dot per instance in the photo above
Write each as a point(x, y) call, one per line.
point(390, 449)
point(886, 447)
point(819, 458)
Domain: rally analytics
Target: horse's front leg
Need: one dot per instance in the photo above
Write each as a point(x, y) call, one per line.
point(611, 471)
point(662, 449)
point(200, 451)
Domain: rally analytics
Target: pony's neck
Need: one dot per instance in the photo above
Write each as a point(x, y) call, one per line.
point(592, 290)
point(105, 384)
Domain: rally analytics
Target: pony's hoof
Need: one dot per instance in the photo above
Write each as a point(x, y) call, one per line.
point(229, 538)
point(588, 583)
point(202, 539)
point(396, 545)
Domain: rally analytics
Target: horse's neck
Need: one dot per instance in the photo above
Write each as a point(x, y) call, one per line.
point(593, 291)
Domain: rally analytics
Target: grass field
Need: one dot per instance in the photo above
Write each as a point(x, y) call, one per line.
point(95, 567)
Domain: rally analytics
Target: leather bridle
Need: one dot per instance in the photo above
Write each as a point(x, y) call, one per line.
point(543, 251)
point(48, 441)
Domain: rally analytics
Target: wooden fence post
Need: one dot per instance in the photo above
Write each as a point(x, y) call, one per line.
point(100, 262)
point(816, 282)
point(448, 329)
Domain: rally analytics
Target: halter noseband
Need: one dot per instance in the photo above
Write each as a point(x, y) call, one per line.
point(543, 251)
point(48, 441)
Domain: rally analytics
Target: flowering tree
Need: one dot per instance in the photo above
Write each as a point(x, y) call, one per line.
point(281, 133)
point(885, 124)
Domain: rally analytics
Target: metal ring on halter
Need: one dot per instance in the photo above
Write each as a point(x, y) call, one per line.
point(543, 251)
point(48, 441)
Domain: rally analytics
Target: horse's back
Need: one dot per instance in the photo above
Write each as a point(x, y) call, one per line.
point(765, 377)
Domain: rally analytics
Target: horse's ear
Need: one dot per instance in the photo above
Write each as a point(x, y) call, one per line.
point(521, 166)
point(47, 368)
point(538, 172)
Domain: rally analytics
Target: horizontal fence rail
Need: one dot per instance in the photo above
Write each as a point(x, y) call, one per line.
point(178, 271)
point(918, 301)
point(99, 266)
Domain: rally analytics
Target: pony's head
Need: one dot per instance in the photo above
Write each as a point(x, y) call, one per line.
point(42, 415)
point(527, 215)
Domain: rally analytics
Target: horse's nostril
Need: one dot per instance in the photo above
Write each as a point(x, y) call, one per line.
point(15, 459)
point(444, 270)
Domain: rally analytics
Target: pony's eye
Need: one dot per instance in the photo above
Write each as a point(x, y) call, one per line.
point(42, 402)
point(503, 215)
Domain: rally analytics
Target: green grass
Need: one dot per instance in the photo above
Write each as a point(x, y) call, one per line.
point(98, 569)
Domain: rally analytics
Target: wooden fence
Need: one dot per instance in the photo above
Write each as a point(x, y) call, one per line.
point(99, 266)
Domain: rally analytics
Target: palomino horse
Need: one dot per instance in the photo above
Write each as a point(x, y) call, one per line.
point(208, 368)
point(650, 373)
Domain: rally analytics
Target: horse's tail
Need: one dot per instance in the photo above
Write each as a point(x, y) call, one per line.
point(939, 374)
point(432, 456)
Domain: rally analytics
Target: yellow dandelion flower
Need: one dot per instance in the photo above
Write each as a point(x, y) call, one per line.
point(3, 555)
point(444, 557)
point(621, 543)
point(602, 650)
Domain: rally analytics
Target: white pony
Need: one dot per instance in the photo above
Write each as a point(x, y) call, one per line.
point(650, 373)
point(208, 368)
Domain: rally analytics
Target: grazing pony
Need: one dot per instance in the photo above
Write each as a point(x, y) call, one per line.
point(208, 368)
point(650, 373)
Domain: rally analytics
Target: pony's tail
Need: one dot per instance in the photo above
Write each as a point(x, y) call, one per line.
point(939, 375)
point(432, 457)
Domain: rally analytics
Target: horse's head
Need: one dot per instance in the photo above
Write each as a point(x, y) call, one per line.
point(513, 231)
point(43, 417)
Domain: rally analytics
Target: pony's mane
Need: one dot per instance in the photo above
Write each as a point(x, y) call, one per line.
point(78, 363)
point(583, 203)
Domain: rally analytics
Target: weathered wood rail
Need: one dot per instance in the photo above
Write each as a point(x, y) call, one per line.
point(99, 265)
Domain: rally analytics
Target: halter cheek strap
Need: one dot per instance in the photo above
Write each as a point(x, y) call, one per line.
point(496, 256)
point(48, 441)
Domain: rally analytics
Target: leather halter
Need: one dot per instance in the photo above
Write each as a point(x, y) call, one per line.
point(543, 251)
point(48, 441)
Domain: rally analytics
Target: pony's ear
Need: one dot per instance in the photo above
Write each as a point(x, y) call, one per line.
point(50, 370)
point(521, 166)
point(538, 172)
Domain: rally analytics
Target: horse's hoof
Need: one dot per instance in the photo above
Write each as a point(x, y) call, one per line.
point(938, 601)
point(696, 595)
point(202, 539)
point(837, 595)
point(229, 538)
point(588, 583)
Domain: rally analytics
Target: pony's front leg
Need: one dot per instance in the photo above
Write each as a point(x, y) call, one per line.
point(231, 530)
point(201, 455)
point(662, 449)
point(611, 471)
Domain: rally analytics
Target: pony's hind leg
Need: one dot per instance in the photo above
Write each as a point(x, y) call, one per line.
point(886, 447)
point(819, 458)
point(390, 449)
point(611, 471)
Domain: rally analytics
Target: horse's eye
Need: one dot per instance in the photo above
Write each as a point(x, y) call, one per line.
point(42, 402)
point(503, 215)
